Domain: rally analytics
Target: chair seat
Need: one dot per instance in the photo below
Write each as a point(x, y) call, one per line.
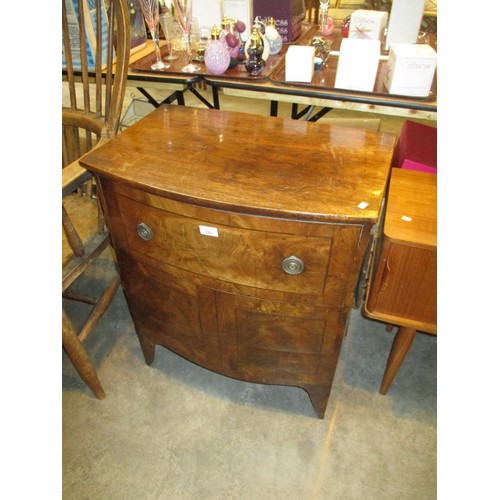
point(83, 212)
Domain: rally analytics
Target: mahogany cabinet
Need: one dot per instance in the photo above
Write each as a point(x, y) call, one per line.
point(239, 238)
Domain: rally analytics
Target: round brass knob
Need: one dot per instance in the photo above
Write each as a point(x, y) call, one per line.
point(144, 231)
point(292, 265)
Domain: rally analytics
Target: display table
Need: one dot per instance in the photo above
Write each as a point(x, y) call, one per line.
point(321, 91)
point(403, 290)
point(240, 238)
point(272, 86)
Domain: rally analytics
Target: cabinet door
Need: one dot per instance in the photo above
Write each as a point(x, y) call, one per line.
point(277, 342)
point(405, 284)
point(169, 311)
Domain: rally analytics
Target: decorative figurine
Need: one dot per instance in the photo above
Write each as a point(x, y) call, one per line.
point(329, 26)
point(346, 23)
point(326, 24)
point(321, 51)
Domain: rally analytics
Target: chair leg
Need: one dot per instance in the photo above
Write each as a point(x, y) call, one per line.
point(400, 347)
point(99, 309)
point(80, 359)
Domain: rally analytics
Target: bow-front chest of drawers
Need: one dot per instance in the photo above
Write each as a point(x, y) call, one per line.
point(240, 238)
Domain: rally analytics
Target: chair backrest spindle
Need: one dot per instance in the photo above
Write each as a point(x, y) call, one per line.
point(96, 87)
point(69, 60)
point(109, 76)
point(98, 62)
point(83, 56)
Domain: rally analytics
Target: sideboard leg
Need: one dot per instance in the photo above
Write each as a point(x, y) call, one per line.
point(400, 347)
point(148, 350)
point(318, 394)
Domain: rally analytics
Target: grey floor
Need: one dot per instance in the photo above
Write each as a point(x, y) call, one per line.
point(177, 431)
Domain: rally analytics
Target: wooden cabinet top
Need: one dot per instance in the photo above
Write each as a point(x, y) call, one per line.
point(245, 163)
point(411, 216)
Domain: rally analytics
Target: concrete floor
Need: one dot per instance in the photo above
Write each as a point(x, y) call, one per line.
point(177, 431)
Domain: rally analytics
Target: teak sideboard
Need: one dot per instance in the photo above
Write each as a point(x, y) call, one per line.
point(403, 282)
point(239, 238)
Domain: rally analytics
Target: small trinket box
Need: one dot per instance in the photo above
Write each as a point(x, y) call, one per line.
point(367, 24)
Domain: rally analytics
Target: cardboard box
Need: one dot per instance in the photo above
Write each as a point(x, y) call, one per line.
point(236, 9)
point(404, 21)
point(410, 69)
point(358, 64)
point(416, 148)
point(419, 167)
point(367, 24)
point(299, 63)
point(287, 14)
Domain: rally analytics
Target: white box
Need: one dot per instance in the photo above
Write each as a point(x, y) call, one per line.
point(404, 21)
point(367, 24)
point(238, 9)
point(299, 63)
point(410, 69)
point(208, 12)
point(358, 64)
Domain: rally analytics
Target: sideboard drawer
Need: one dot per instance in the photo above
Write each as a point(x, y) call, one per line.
point(247, 257)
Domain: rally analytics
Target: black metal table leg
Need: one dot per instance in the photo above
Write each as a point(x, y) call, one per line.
point(296, 114)
point(215, 97)
point(149, 97)
point(176, 96)
point(200, 97)
point(319, 114)
point(180, 97)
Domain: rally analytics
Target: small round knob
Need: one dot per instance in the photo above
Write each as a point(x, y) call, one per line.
point(292, 265)
point(144, 231)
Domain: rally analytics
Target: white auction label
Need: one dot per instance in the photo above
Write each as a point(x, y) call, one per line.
point(209, 231)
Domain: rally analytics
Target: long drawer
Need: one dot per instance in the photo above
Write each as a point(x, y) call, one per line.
point(253, 258)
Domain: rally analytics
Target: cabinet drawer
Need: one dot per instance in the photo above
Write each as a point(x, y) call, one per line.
point(244, 256)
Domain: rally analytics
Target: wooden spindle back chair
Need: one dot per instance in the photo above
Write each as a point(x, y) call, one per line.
point(96, 88)
point(96, 91)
